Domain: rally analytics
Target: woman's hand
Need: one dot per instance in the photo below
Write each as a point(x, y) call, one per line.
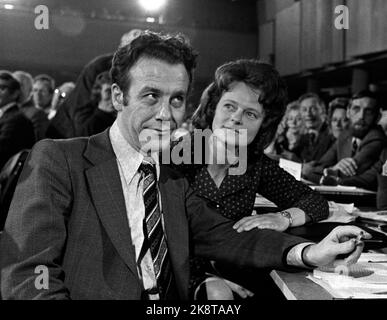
point(273, 221)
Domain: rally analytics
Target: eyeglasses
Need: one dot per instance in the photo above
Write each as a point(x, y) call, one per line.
point(61, 94)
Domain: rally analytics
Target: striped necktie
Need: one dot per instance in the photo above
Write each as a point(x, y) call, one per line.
point(154, 237)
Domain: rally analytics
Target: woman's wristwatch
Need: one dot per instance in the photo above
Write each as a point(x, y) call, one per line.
point(288, 216)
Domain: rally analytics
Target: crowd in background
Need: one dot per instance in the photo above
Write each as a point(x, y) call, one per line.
point(342, 142)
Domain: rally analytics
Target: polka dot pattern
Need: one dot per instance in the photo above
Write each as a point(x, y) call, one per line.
point(236, 195)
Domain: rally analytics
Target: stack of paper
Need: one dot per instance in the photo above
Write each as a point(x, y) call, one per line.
point(365, 280)
point(372, 215)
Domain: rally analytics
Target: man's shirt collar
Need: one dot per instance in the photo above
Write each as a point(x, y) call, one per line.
point(129, 158)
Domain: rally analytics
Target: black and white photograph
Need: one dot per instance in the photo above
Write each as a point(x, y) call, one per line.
point(201, 157)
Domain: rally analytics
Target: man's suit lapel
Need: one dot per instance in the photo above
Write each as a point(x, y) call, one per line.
point(106, 192)
point(176, 229)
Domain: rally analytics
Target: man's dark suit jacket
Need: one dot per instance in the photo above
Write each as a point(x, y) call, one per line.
point(68, 214)
point(313, 151)
point(367, 154)
point(16, 133)
point(372, 179)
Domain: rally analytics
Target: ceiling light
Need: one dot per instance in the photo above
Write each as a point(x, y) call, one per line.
point(9, 6)
point(152, 5)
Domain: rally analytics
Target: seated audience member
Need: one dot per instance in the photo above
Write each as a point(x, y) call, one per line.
point(89, 209)
point(96, 116)
point(338, 116)
point(42, 93)
point(374, 178)
point(16, 131)
point(288, 134)
point(358, 148)
point(383, 121)
point(59, 96)
point(26, 82)
point(62, 125)
point(249, 95)
point(317, 139)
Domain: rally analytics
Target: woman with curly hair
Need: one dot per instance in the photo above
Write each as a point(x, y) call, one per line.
point(247, 98)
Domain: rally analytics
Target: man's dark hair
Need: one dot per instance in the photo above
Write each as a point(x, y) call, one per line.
point(13, 84)
point(168, 48)
point(366, 94)
point(48, 80)
point(313, 95)
point(257, 75)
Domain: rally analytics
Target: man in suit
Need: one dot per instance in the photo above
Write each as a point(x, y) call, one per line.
point(374, 178)
point(358, 148)
point(16, 131)
point(317, 139)
point(105, 220)
point(37, 112)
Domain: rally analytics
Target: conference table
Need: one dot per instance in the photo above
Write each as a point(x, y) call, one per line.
point(295, 285)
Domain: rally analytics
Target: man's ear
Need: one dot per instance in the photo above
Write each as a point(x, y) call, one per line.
point(117, 97)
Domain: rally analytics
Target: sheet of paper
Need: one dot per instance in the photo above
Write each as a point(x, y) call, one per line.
point(372, 215)
point(293, 168)
point(365, 280)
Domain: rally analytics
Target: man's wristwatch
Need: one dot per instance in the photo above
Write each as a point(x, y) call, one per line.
point(288, 216)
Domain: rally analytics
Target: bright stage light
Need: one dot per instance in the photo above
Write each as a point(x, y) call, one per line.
point(152, 5)
point(150, 19)
point(9, 6)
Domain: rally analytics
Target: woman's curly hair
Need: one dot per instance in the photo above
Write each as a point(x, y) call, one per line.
point(258, 75)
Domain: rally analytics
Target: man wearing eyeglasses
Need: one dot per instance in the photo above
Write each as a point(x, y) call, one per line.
point(16, 132)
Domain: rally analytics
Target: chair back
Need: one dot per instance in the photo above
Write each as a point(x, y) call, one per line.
point(9, 175)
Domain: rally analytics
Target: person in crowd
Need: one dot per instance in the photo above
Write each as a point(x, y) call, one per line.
point(249, 95)
point(338, 116)
point(42, 93)
point(289, 133)
point(26, 82)
point(374, 178)
point(316, 139)
point(16, 131)
point(383, 121)
point(62, 125)
point(101, 234)
point(96, 116)
point(59, 96)
point(358, 148)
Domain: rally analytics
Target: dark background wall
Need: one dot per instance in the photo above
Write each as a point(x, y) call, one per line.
point(220, 30)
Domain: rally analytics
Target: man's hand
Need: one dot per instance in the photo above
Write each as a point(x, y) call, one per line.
point(308, 168)
point(346, 166)
point(341, 241)
point(273, 221)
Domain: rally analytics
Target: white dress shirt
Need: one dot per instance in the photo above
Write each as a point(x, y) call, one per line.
point(129, 161)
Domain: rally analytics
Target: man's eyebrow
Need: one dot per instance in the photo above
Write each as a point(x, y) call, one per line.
point(180, 93)
point(149, 89)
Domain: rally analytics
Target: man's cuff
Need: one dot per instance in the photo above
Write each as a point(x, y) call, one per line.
point(294, 256)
